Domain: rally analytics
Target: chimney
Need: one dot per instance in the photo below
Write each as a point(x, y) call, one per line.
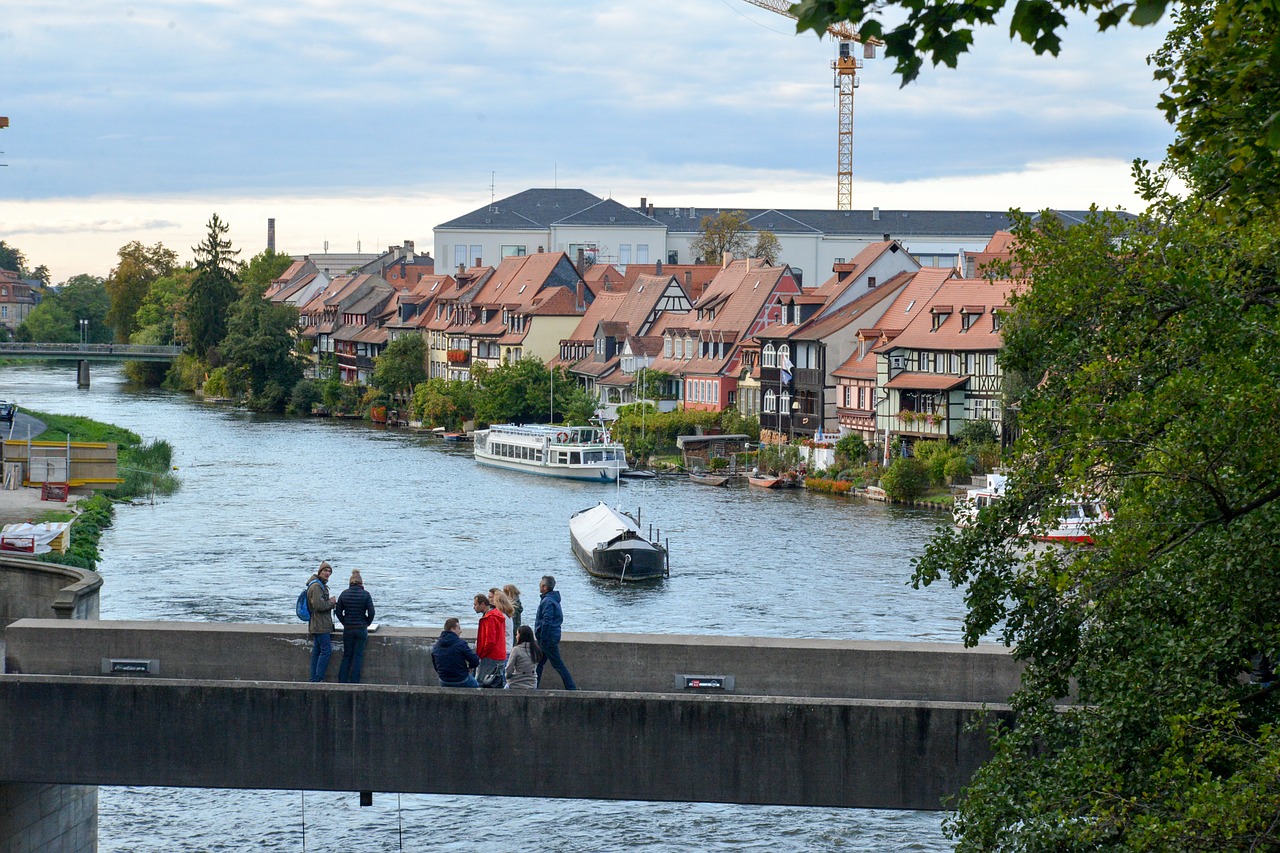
point(886, 238)
point(726, 259)
point(271, 234)
point(875, 214)
point(644, 202)
point(688, 282)
point(539, 250)
point(582, 260)
point(650, 209)
point(408, 250)
point(657, 268)
point(581, 305)
point(606, 282)
point(462, 270)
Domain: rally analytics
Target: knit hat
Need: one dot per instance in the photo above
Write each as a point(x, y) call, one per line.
point(355, 577)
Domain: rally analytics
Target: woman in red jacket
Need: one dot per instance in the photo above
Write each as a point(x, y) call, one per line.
point(491, 640)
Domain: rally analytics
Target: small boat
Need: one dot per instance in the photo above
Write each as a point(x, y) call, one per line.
point(572, 452)
point(765, 481)
point(609, 544)
point(455, 436)
point(637, 474)
point(705, 479)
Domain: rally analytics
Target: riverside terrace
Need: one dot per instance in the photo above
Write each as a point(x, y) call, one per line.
point(806, 722)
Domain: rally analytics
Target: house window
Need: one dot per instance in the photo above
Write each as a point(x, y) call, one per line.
point(967, 319)
point(460, 254)
point(990, 359)
point(599, 346)
point(784, 401)
point(688, 347)
point(770, 402)
point(871, 281)
point(679, 348)
point(642, 253)
point(624, 254)
point(784, 357)
point(666, 347)
point(926, 362)
point(768, 356)
point(938, 319)
point(997, 318)
point(514, 251)
point(970, 363)
point(955, 363)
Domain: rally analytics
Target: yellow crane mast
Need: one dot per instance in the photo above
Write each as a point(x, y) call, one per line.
point(846, 67)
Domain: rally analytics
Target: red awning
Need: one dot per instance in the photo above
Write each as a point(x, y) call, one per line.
point(927, 381)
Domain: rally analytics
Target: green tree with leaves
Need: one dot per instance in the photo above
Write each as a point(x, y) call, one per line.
point(401, 366)
point(130, 281)
point(727, 231)
point(12, 259)
point(767, 247)
point(213, 290)
point(258, 352)
point(262, 269)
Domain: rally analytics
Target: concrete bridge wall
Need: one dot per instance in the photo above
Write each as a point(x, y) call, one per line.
point(39, 817)
point(739, 749)
point(639, 663)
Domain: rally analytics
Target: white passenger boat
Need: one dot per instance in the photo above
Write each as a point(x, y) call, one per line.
point(572, 452)
point(1077, 523)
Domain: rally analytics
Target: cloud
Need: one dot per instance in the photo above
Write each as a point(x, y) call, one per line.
point(100, 226)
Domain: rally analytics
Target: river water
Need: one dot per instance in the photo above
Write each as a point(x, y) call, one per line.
point(264, 499)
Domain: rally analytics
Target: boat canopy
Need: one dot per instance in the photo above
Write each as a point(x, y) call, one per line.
point(599, 525)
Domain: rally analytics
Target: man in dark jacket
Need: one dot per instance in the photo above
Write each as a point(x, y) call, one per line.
point(320, 627)
point(355, 612)
point(452, 658)
point(546, 628)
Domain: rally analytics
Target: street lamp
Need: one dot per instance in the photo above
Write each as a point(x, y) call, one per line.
point(84, 332)
point(795, 407)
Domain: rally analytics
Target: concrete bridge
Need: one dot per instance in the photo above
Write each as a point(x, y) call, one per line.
point(83, 353)
point(792, 722)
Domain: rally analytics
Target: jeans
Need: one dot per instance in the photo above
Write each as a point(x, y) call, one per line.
point(353, 642)
point(321, 649)
point(469, 681)
point(551, 655)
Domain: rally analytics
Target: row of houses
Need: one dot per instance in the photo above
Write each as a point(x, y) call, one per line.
point(884, 344)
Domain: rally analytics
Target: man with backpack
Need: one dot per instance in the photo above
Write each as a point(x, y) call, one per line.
point(320, 625)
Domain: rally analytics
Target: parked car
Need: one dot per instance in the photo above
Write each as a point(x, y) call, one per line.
point(7, 411)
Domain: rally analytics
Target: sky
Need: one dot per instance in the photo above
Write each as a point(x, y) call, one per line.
point(366, 124)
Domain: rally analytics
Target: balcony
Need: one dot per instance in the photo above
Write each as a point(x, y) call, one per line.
point(458, 356)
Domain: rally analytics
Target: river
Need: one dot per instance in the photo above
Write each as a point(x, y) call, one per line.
point(264, 499)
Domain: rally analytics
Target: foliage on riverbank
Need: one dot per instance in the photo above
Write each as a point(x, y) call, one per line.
point(146, 467)
point(831, 487)
point(95, 515)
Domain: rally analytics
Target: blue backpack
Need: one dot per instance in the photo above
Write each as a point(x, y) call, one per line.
point(301, 607)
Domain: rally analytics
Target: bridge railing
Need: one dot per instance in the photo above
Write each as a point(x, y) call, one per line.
point(87, 349)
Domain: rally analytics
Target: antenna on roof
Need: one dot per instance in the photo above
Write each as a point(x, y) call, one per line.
point(491, 180)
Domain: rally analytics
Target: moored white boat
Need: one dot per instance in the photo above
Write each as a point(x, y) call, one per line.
point(609, 544)
point(571, 452)
point(1075, 524)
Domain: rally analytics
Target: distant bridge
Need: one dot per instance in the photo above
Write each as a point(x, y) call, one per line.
point(84, 353)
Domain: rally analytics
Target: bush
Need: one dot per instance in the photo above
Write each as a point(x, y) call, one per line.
point(975, 432)
point(305, 396)
point(218, 384)
point(905, 479)
point(146, 469)
point(958, 468)
point(833, 487)
point(96, 514)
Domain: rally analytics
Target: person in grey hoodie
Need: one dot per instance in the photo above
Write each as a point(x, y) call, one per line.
point(546, 627)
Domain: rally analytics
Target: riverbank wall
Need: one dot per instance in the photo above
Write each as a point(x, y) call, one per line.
point(37, 817)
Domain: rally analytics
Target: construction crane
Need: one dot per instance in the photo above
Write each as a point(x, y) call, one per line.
point(845, 66)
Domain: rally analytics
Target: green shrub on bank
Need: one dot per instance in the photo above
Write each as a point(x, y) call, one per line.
point(905, 479)
point(96, 515)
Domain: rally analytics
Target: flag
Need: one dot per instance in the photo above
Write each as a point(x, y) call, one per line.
point(786, 368)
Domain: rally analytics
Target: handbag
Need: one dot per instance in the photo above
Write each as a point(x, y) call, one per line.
point(493, 678)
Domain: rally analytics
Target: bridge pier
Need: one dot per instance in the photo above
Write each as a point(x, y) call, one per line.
point(82, 373)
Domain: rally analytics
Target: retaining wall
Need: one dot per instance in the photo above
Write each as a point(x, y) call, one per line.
point(634, 663)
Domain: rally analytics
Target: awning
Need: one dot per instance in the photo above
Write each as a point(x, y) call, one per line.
point(927, 381)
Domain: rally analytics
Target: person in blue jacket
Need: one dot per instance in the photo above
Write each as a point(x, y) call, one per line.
point(546, 628)
point(452, 659)
point(355, 612)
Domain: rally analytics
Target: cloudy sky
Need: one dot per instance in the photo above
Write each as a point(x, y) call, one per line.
point(370, 123)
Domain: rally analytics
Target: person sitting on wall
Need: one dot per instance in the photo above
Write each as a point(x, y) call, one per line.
point(452, 659)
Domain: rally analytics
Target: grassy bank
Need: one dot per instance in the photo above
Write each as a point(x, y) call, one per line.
point(147, 468)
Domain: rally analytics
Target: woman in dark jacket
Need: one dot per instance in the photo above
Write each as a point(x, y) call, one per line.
point(355, 612)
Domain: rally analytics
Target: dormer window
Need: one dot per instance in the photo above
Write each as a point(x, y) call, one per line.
point(688, 347)
point(997, 318)
point(940, 314)
point(679, 348)
point(666, 347)
point(969, 315)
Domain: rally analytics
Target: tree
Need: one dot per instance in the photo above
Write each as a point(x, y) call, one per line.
point(941, 32)
point(442, 403)
point(130, 280)
point(12, 259)
point(262, 269)
point(48, 322)
point(84, 297)
point(767, 247)
point(727, 231)
point(401, 366)
point(213, 290)
point(258, 352)
point(1154, 344)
